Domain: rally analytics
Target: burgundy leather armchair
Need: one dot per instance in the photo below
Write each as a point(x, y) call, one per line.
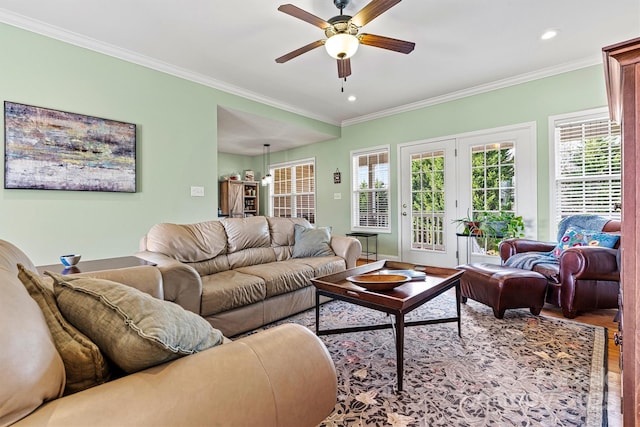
point(586, 278)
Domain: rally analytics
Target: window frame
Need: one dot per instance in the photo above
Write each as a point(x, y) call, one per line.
point(292, 165)
point(554, 122)
point(356, 191)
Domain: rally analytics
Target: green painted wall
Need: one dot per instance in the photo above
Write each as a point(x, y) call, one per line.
point(177, 144)
point(533, 101)
point(229, 164)
point(177, 147)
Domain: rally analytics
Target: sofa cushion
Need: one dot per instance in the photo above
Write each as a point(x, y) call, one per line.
point(134, 329)
point(282, 230)
point(245, 233)
point(251, 256)
point(323, 265)
point(211, 266)
point(574, 236)
point(550, 271)
point(310, 242)
point(230, 289)
point(84, 364)
point(188, 242)
point(282, 276)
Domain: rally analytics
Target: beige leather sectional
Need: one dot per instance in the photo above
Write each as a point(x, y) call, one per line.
point(246, 382)
point(241, 273)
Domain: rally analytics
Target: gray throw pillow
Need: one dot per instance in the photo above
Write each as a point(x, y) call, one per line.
point(311, 242)
point(134, 329)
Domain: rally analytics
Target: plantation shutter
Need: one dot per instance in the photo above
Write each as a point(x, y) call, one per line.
point(588, 168)
point(305, 200)
point(371, 190)
point(294, 189)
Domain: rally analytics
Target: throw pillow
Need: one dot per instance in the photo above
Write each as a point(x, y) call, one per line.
point(84, 364)
point(577, 237)
point(310, 242)
point(134, 329)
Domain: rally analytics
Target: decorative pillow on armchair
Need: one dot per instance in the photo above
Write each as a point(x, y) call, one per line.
point(311, 242)
point(577, 237)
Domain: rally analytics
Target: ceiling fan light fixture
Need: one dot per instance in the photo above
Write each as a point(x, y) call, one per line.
point(342, 45)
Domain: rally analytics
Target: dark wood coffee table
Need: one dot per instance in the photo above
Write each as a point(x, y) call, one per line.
point(398, 301)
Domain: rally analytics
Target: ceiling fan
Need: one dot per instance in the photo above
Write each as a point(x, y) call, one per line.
point(342, 32)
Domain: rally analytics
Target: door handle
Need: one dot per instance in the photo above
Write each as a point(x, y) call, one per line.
point(404, 214)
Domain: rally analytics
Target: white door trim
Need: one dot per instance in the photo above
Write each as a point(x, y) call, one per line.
point(527, 205)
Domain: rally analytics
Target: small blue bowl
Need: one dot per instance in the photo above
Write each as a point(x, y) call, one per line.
point(69, 260)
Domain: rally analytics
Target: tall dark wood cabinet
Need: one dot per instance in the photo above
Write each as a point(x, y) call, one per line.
point(622, 75)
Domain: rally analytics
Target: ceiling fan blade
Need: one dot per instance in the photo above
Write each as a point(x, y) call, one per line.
point(344, 68)
point(300, 51)
point(296, 12)
point(372, 10)
point(386, 43)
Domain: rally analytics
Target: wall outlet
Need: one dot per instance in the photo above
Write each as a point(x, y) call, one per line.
point(337, 196)
point(197, 191)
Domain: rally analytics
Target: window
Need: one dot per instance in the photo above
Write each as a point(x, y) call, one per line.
point(492, 185)
point(587, 176)
point(427, 200)
point(370, 189)
point(492, 177)
point(293, 190)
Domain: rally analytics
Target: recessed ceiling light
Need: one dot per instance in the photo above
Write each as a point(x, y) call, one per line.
point(352, 98)
point(549, 34)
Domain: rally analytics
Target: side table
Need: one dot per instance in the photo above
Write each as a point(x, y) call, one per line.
point(95, 265)
point(365, 243)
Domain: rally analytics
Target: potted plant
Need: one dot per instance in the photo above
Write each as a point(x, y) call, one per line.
point(502, 224)
point(470, 225)
point(492, 224)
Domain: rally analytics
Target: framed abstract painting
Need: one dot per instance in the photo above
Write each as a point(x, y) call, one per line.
point(49, 149)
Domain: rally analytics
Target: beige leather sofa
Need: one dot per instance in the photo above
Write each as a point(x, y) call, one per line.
point(254, 381)
point(241, 273)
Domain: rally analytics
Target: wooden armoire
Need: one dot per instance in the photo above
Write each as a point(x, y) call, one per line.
point(622, 76)
point(239, 198)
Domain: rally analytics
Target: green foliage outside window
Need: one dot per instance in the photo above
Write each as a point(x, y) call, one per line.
point(493, 192)
point(427, 181)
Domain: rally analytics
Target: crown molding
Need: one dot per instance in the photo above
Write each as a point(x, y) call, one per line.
point(476, 90)
point(85, 42)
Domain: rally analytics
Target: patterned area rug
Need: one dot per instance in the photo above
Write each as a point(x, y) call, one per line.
point(523, 370)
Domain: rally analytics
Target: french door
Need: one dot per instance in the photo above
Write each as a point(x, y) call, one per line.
point(445, 179)
point(428, 200)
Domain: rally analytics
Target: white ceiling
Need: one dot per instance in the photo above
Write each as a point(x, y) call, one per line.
point(462, 47)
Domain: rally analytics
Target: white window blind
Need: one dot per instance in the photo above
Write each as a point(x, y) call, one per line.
point(293, 193)
point(370, 195)
point(588, 167)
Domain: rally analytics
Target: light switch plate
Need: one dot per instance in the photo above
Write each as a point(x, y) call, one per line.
point(337, 196)
point(197, 191)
